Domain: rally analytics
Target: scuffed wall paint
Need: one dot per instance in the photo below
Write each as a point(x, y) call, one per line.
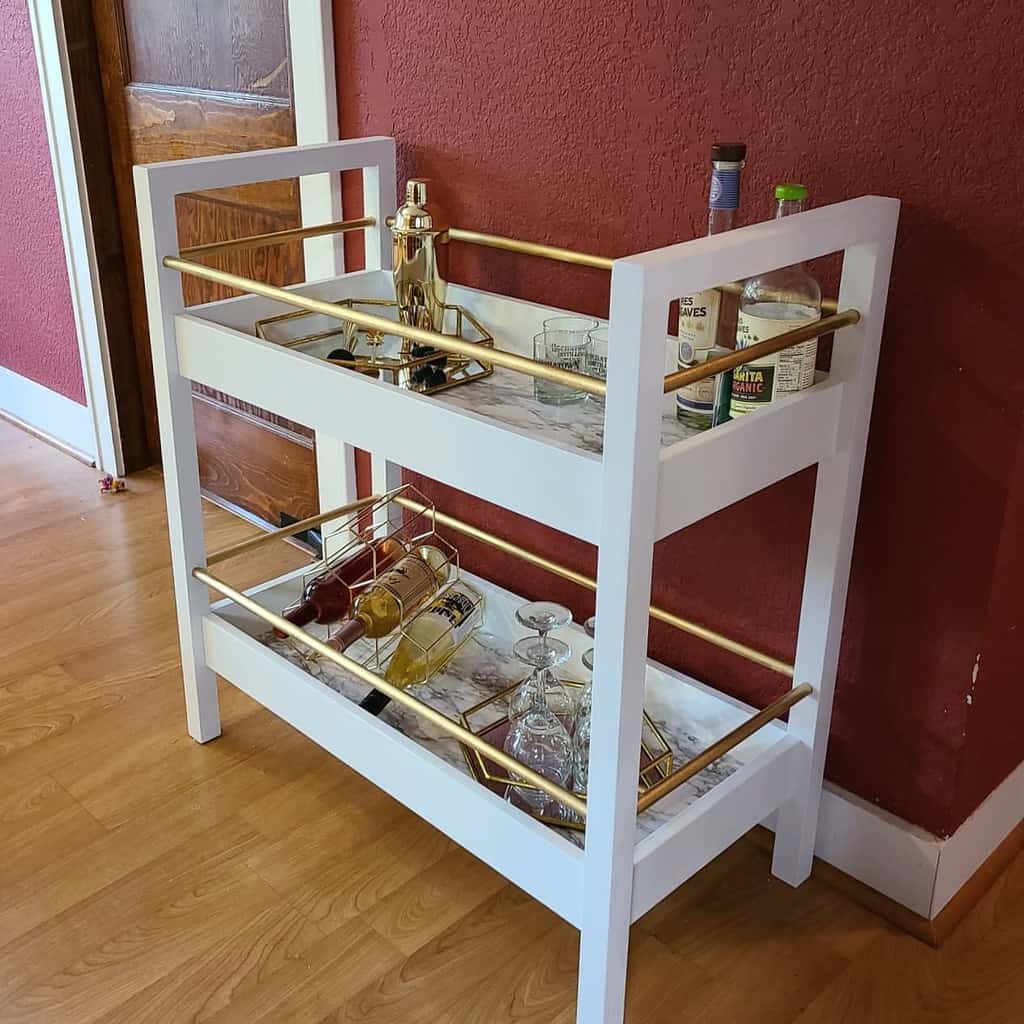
point(588, 124)
point(37, 324)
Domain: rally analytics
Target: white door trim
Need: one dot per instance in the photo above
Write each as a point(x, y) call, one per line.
point(104, 444)
point(315, 101)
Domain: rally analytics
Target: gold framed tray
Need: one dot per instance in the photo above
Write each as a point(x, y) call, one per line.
point(489, 720)
point(381, 354)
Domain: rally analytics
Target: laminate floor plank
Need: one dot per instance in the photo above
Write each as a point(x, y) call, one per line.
point(147, 879)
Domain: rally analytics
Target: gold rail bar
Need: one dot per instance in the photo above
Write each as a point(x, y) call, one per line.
point(736, 288)
point(723, 746)
point(550, 252)
point(763, 348)
point(289, 531)
point(684, 625)
point(277, 237)
point(443, 342)
point(400, 696)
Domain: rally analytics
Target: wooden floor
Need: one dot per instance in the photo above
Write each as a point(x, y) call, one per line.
point(144, 877)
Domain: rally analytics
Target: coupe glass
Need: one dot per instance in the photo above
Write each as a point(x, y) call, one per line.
point(539, 740)
point(543, 653)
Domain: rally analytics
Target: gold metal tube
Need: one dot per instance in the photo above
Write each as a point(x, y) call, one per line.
point(397, 694)
point(588, 582)
point(443, 342)
point(724, 745)
point(736, 288)
point(289, 531)
point(550, 252)
point(741, 356)
point(277, 237)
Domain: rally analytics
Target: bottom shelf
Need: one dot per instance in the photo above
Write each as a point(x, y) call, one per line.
point(690, 716)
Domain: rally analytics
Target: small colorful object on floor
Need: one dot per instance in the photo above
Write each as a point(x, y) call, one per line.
point(112, 484)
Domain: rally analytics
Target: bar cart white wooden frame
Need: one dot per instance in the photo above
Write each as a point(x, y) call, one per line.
point(638, 492)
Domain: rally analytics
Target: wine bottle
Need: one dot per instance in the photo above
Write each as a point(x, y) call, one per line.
point(329, 597)
point(430, 640)
point(406, 586)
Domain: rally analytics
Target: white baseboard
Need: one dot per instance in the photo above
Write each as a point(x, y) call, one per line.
point(47, 412)
point(892, 856)
point(976, 839)
point(902, 861)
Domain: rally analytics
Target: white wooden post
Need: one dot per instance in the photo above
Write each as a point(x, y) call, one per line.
point(315, 98)
point(865, 286)
point(156, 185)
point(158, 236)
point(628, 507)
point(380, 196)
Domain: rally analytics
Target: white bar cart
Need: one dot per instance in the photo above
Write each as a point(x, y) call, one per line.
point(637, 484)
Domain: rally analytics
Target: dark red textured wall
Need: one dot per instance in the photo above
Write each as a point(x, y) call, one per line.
point(588, 124)
point(37, 324)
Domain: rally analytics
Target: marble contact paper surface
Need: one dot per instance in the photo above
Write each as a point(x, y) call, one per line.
point(484, 666)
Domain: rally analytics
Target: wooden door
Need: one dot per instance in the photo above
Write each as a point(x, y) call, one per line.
point(188, 78)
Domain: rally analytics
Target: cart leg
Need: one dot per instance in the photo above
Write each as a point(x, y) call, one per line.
point(817, 656)
point(158, 235)
point(864, 286)
point(601, 990)
point(633, 413)
point(335, 479)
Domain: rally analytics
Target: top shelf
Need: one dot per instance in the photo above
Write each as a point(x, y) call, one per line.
point(491, 437)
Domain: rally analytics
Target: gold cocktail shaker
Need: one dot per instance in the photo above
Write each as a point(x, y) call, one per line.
point(420, 286)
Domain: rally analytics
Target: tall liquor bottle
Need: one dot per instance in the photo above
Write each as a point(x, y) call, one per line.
point(771, 304)
point(699, 314)
point(329, 597)
point(379, 609)
point(430, 640)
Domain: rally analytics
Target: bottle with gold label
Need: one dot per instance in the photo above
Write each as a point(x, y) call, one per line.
point(771, 304)
point(430, 640)
point(699, 314)
point(381, 608)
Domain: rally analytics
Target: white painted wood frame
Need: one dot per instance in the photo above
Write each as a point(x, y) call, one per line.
point(156, 186)
point(623, 501)
point(104, 444)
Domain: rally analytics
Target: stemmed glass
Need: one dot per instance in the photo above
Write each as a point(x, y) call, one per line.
point(537, 738)
point(581, 734)
point(542, 684)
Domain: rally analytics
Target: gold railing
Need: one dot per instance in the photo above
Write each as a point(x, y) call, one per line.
point(497, 356)
point(568, 799)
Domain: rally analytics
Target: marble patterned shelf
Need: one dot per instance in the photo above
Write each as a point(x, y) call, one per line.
point(508, 398)
point(689, 715)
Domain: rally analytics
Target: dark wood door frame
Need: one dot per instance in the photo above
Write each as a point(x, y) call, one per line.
point(138, 447)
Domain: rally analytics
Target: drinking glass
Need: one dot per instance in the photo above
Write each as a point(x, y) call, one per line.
point(543, 653)
point(537, 737)
point(562, 343)
point(581, 734)
point(595, 359)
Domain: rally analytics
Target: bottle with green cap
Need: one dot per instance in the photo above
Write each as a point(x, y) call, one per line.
point(770, 304)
